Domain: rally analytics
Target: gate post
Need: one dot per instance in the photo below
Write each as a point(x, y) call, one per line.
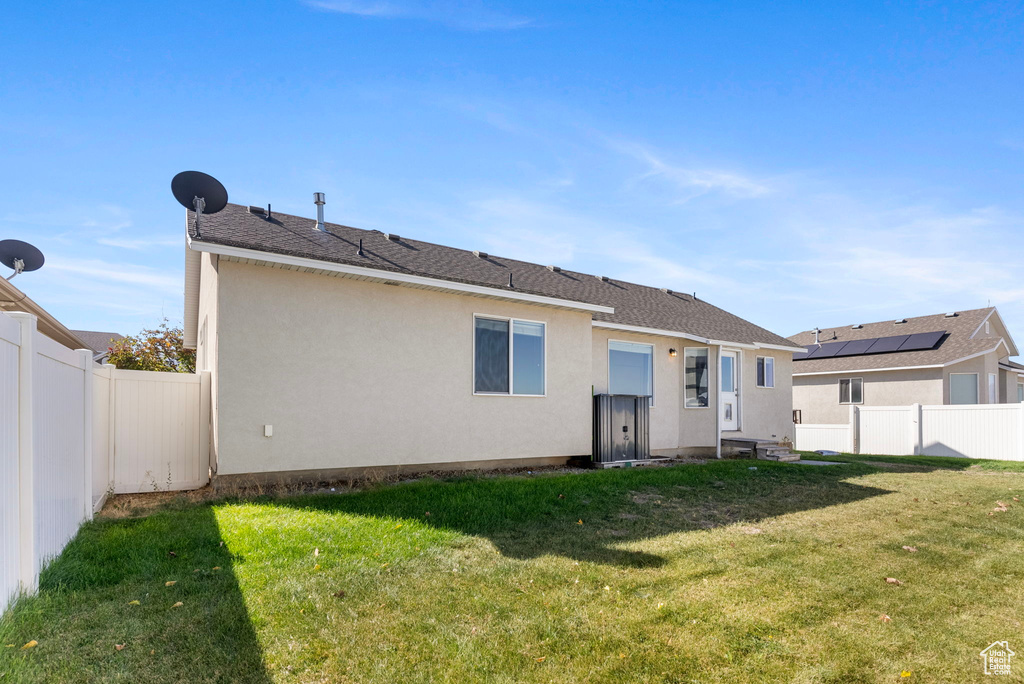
point(916, 430)
point(854, 429)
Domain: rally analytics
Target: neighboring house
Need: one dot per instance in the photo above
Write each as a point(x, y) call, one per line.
point(952, 358)
point(99, 342)
point(345, 349)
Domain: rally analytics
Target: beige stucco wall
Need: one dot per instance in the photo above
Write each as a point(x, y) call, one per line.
point(664, 415)
point(766, 413)
point(817, 396)
point(206, 347)
point(356, 374)
point(982, 365)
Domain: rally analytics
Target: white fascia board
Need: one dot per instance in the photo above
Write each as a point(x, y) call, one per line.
point(901, 368)
point(854, 371)
point(686, 336)
point(651, 331)
point(398, 278)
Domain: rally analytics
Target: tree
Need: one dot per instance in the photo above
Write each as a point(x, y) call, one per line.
point(157, 349)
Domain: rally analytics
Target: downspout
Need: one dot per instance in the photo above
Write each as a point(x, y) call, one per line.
point(718, 402)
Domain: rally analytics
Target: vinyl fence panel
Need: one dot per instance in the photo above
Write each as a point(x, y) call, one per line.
point(986, 431)
point(59, 471)
point(160, 442)
point(886, 430)
point(830, 437)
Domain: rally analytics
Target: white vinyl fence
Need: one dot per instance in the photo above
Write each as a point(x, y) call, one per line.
point(993, 431)
point(72, 431)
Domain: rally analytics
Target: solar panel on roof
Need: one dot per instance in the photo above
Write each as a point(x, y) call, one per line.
point(919, 341)
point(887, 344)
point(803, 355)
point(829, 349)
point(857, 347)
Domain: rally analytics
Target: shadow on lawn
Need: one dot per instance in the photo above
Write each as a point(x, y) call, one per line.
point(592, 516)
point(85, 606)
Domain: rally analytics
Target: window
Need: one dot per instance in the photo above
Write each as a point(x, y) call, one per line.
point(1020, 392)
point(963, 388)
point(696, 371)
point(508, 351)
point(992, 399)
point(631, 369)
point(851, 390)
point(765, 371)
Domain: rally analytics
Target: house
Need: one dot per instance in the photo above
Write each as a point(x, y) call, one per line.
point(334, 349)
point(99, 342)
point(949, 358)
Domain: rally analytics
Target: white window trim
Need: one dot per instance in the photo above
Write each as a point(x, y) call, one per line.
point(511, 343)
point(766, 359)
point(654, 357)
point(993, 388)
point(697, 408)
point(977, 382)
point(851, 403)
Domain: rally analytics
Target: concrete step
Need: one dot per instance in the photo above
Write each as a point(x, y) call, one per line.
point(786, 457)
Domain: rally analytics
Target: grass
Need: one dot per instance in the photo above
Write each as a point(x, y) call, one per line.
point(695, 573)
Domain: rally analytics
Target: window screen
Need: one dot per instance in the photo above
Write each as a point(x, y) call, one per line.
point(963, 388)
point(491, 365)
point(527, 358)
point(765, 371)
point(696, 371)
point(851, 391)
point(631, 369)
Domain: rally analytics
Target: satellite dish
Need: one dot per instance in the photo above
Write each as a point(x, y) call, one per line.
point(20, 256)
point(199, 192)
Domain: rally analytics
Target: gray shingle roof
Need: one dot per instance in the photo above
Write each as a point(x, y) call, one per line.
point(957, 345)
point(636, 305)
point(98, 341)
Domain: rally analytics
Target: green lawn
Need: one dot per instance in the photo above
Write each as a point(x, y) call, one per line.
point(695, 573)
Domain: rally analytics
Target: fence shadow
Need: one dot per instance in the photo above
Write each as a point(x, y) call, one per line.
point(593, 516)
point(109, 587)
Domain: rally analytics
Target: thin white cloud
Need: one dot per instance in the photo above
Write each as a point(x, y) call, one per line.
point(137, 245)
point(691, 182)
point(95, 271)
point(468, 15)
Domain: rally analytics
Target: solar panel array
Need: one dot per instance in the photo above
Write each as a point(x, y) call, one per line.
point(872, 345)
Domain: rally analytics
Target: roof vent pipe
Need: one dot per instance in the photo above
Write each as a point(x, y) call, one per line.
point(318, 200)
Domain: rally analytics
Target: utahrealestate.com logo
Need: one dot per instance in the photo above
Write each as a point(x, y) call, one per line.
point(997, 658)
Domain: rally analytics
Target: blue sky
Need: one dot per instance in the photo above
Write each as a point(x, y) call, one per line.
point(798, 164)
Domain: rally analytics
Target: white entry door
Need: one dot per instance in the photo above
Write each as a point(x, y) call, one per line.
point(730, 390)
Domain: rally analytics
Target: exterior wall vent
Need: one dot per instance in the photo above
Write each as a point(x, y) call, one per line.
point(481, 255)
point(393, 237)
point(319, 201)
